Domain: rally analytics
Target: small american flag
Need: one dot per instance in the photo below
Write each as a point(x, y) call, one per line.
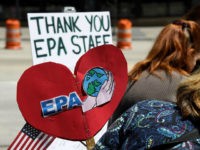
point(31, 138)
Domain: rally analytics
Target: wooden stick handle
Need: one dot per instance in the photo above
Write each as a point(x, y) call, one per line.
point(90, 143)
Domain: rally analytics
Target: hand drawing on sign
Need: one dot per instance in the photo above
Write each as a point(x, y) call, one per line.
point(99, 86)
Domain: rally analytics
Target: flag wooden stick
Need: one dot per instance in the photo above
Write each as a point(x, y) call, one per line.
point(90, 143)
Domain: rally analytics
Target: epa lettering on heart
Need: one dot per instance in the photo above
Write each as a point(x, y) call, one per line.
point(73, 106)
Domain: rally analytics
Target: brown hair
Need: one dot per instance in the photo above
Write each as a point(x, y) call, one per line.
point(188, 96)
point(170, 50)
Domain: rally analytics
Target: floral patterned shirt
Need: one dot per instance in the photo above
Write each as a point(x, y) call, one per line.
point(148, 124)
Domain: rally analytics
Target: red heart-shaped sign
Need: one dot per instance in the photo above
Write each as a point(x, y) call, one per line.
point(52, 99)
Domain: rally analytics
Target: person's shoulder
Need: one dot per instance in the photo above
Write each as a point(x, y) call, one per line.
point(163, 74)
point(178, 74)
point(153, 105)
point(155, 102)
point(174, 75)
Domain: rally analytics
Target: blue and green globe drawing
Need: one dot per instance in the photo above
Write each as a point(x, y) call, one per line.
point(93, 81)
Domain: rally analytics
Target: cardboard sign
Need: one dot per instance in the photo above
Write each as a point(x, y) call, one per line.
point(54, 100)
point(61, 144)
point(64, 37)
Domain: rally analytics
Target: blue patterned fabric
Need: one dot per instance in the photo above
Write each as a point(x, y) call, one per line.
point(148, 124)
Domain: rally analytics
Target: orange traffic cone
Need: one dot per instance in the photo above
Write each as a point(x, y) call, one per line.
point(124, 34)
point(13, 35)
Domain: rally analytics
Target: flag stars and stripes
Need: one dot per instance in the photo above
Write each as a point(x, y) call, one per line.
point(29, 130)
point(30, 138)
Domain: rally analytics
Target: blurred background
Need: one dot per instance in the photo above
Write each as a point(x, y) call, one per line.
point(147, 16)
point(140, 12)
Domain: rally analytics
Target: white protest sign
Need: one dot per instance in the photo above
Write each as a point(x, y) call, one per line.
point(64, 37)
point(61, 144)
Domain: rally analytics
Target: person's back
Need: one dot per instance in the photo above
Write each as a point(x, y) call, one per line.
point(151, 124)
point(158, 124)
point(150, 86)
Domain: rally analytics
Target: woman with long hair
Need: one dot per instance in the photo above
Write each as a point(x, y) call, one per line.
point(172, 58)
